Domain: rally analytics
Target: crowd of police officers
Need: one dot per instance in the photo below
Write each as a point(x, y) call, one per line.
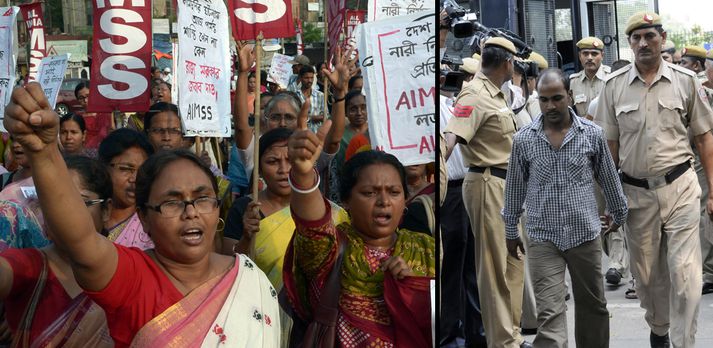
point(657, 120)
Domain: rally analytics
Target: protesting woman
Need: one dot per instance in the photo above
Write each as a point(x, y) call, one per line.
point(179, 294)
point(123, 151)
point(44, 305)
point(383, 278)
point(72, 135)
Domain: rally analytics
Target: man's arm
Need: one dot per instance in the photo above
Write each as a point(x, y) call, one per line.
point(607, 176)
point(704, 144)
point(451, 140)
point(614, 151)
point(515, 192)
point(243, 131)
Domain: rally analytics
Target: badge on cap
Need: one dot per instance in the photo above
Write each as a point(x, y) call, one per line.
point(648, 18)
point(595, 44)
point(683, 51)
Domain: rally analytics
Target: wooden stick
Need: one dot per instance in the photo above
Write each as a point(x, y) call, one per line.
point(256, 146)
point(326, 58)
point(256, 155)
point(218, 156)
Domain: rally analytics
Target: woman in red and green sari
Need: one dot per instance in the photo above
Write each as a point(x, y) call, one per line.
point(179, 294)
point(385, 273)
point(44, 305)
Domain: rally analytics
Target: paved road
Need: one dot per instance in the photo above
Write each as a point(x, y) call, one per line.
point(628, 329)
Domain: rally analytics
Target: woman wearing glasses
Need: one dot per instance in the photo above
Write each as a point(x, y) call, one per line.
point(43, 302)
point(123, 151)
point(179, 294)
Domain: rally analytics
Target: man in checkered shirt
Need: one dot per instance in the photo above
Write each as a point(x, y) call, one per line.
point(552, 169)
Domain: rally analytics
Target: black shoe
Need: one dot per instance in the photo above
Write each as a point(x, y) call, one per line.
point(707, 288)
point(613, 276)
point(528, 332)
point(525, 344)
point(659, 341)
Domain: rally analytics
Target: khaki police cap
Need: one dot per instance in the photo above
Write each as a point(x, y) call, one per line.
point(694, 51)
point(501, 42)
point(590, 43)
point(640, 20)
point(470, 65)
point(539, 60)
point(668, 46)
point(476, 56)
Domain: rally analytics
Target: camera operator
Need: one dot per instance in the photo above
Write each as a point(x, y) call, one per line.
point(484, 126)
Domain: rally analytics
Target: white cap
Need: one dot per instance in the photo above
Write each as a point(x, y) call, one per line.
point(167, 70)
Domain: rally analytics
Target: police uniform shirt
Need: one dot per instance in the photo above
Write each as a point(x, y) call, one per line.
point(483, 121)
point(584, 89)
point(650, 122)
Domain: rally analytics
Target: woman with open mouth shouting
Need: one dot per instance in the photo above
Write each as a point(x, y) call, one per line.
point(181, 293)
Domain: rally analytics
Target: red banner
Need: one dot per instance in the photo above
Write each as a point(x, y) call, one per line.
point(272, 17)
point(32, 14)
point(121, 56)
point(352, 19)
point(335, 19)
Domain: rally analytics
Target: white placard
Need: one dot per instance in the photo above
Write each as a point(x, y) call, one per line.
point(8, 57)
point(382, 9)
point(280, 70)
point(203, 68)
point(399, 69)
point(51, 74)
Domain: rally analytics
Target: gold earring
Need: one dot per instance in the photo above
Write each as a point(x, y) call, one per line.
point(221, 225)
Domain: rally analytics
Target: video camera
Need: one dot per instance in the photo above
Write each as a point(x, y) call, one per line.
point(465, 24)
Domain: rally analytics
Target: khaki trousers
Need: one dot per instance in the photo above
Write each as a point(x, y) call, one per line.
point(529, 309)
point(547, 267)
point(706, 226)
point(665, 251)
point(500, 276)
point(614, 243)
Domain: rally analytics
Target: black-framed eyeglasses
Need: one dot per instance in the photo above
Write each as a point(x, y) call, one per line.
point(203, 205)
point(169, 131)
point(91, 202)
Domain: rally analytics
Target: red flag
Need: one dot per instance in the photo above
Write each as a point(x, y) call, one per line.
point(121, 56)
point(352, 19)
point(335, 19)
point(272, 17)
point(32, 14)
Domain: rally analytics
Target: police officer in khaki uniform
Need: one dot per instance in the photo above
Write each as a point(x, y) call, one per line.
point(533, 104)
point(647, 110)
point(586, 84)
point(694, 59)
point(668, 50)
point(484, 126)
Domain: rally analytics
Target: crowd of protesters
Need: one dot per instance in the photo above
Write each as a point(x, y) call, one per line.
point(135, 235)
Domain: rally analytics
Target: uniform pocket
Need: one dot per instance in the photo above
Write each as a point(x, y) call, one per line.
point(629, 120)
point(670, 111)
point(507, 122)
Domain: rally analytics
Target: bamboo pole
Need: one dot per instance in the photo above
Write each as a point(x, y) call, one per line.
point(256, 154)
point(325, 82)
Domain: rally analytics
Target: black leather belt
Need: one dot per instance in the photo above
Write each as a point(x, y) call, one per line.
point(455, 183)
point(500, 173)
point(652, 183)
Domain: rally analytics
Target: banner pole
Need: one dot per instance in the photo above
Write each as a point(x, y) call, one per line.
point(256, 117)
point(325, 81)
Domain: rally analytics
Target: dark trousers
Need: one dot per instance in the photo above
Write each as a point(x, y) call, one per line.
point(460, 307)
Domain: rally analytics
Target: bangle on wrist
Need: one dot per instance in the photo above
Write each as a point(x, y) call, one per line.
point(336, 99)
point(304, 190)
